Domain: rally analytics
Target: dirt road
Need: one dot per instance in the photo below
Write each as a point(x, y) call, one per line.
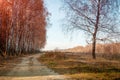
point(31, 69)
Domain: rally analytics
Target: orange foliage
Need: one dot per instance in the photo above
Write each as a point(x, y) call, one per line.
point(22, 26)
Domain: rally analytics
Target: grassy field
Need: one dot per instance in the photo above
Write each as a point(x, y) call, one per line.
point(81, 66)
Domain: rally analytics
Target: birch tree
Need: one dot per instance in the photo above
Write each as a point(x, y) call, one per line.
point(22, 26)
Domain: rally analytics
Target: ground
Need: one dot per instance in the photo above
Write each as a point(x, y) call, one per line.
point(29, 69)
point(60, 66)
point(81, 66)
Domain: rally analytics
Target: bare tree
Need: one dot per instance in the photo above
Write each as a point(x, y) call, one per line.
point(97, 18)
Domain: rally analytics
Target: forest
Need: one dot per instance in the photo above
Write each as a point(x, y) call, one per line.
point(22, 26)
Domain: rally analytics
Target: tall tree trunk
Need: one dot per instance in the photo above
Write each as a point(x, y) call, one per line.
point(94, 47)
point(96, 30)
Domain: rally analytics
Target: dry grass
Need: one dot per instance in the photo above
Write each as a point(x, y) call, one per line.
point(97, 76)
point(8, 64)
point(80, 66)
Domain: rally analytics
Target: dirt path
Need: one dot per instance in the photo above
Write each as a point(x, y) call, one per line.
point(31, 69)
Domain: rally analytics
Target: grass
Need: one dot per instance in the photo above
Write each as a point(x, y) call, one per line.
point(93, 76)
point(6, 65)
point(82, 66)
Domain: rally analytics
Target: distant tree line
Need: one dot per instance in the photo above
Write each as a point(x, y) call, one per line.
point(22, 26)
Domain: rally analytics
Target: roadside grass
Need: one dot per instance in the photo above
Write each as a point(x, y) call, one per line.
point(6, 65)
point(81, 66)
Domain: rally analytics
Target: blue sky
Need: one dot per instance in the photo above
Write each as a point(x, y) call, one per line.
point(56, 38)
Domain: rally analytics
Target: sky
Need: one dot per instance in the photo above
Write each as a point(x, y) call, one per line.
point(56, 38)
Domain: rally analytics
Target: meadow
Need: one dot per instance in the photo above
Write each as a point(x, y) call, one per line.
point(81, 66)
